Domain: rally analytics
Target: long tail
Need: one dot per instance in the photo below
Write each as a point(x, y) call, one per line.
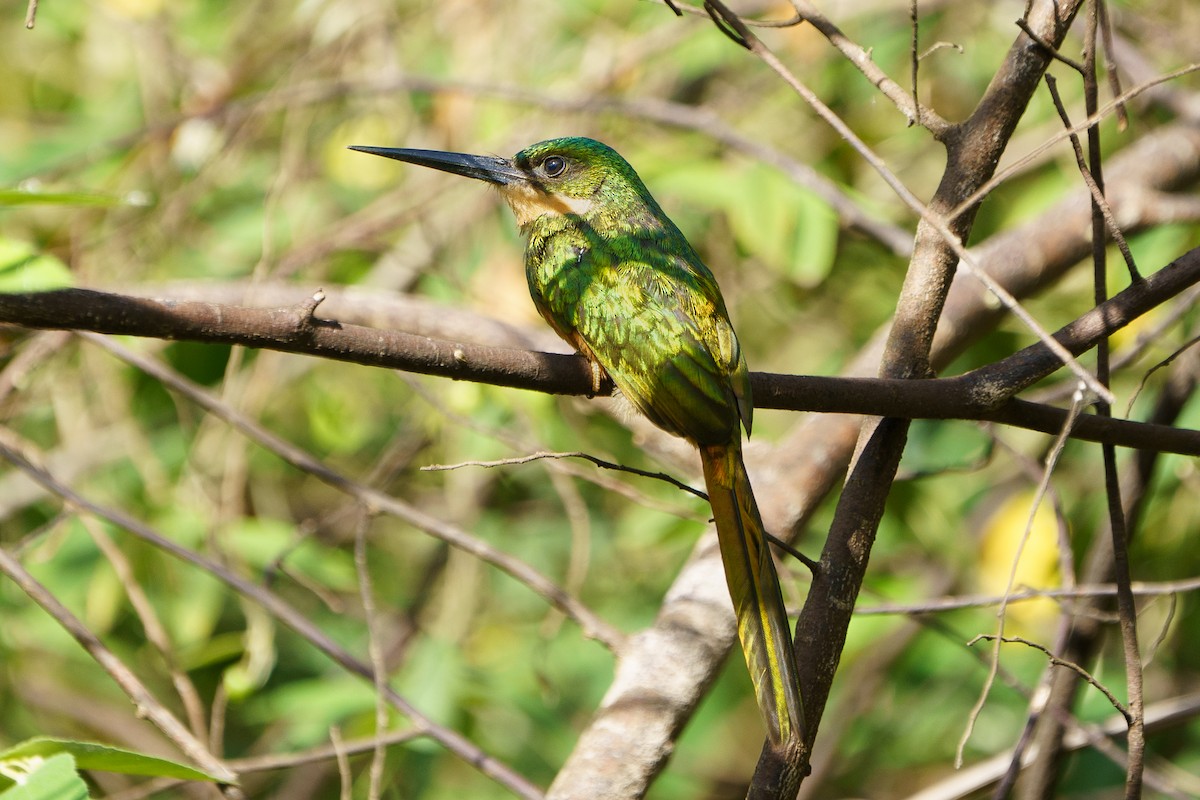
point(754, 586)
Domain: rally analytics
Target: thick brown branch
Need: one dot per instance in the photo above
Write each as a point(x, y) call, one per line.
point(985, 394)
point(804, 468)
point(295, 330)
point(973, 150)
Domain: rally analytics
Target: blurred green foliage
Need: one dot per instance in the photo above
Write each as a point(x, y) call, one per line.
point(150, 142)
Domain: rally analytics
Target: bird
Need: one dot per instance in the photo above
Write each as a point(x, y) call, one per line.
point(614, 277)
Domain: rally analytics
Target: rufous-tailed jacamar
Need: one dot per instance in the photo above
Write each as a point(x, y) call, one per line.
point(615, 278)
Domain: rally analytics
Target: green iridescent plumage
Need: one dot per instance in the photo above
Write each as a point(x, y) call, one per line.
point(615, 278)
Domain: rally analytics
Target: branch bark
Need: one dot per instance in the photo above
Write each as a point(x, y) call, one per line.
point(792, 479)
point(973, 150)
point(984, 394)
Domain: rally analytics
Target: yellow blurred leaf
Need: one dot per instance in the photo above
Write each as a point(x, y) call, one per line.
point(134, 9)
point(1038, 565)
point(360, 170)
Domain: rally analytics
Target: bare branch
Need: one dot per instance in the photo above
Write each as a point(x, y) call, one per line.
point(905, 101)
point(998, 117)
point(289, 615)
point(982, 394)
point(592, 625)
point(599, 462)
point(1139, 588)
point(145, 701)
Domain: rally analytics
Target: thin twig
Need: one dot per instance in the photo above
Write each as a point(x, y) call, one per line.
point(599, 462)
point(1001, 612)
point(1036, 472)
point(1110, 66)
point(1083, 673)
point(967, 262)
point(374, 650)
point(602, 480)
point(1110, 219)
point(1126, 608)
point(936, 46)
point(720, 17)
point(146, 703)
point(1166, 362)
point(453, 741)
point(914, 46)
point(1164, 629)
point(789, 22)
point(860, 57)
point(813, 566)
point(345, 780)
point(350, 747)
point(1053, 51)
point(945, 604)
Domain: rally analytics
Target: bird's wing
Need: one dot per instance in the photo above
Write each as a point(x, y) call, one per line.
point(668, 347)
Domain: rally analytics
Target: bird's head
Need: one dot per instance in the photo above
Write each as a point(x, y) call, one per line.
point(572, 175)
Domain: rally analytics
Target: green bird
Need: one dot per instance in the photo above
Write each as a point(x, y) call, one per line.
point(614, 277)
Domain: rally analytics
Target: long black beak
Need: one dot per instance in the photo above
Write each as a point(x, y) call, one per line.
point(499, 171)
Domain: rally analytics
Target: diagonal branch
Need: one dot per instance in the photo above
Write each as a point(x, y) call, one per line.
point(286, 613)
point(904, 100)
point(974, 149)
point(619, 752)
point(591, 624)
point(147, 704)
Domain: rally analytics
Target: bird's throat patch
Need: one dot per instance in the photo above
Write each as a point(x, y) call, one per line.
point(528, 202)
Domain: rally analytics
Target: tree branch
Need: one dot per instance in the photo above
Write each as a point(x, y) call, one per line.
point(282, 610)
point(984, 394)
point(973, 150)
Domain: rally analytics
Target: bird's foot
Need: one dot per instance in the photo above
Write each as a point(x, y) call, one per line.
point(597, 378)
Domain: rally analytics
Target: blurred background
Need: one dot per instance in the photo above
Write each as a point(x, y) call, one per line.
point(197, 149)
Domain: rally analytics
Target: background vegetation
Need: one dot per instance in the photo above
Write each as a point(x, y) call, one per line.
point(197, 150)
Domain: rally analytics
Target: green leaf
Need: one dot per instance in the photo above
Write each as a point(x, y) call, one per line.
point(791, 230)
point(337, 417)
point(24, 269)
point(36, 778)
point(89, 755)
point(19, 197)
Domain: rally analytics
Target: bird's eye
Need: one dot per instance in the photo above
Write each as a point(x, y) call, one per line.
point(554, 166)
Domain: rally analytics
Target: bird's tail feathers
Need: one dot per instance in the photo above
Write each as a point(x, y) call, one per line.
point(754, 587)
